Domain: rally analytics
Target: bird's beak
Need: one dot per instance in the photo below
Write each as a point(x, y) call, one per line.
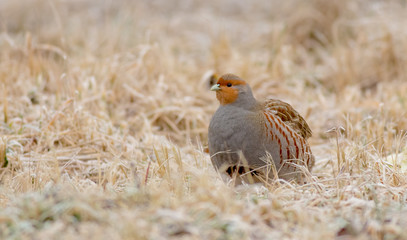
point(215, 87)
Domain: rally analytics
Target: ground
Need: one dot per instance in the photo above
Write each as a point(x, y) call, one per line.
point(105, 107)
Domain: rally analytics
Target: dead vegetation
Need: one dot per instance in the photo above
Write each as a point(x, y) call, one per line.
point(104, 116)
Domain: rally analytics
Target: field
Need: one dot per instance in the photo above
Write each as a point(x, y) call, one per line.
point(105, 107)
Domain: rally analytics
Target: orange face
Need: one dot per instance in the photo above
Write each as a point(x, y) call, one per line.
point(226, 91)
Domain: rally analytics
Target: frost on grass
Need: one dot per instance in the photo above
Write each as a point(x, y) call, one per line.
point(105, 108)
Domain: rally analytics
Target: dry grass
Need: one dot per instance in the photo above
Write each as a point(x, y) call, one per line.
point(105, 109)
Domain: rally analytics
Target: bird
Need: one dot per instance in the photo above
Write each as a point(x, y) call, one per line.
point(262, 140)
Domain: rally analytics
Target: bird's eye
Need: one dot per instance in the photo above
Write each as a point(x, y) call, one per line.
point(229, 84)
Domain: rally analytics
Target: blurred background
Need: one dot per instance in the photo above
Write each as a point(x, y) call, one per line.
point(293, 50)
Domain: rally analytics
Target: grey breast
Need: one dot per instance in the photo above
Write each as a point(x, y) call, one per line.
point(230, 133)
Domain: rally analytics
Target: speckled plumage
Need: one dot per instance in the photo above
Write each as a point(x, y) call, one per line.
point(243, 132)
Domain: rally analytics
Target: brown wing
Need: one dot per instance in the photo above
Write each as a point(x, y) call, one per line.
point(289, 116)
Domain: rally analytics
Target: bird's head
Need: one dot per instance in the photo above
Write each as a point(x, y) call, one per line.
point(232, 89)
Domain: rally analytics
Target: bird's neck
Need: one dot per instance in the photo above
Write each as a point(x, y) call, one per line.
point(248, 103)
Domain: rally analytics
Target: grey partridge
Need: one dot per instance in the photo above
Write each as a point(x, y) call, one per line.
point(251, 137)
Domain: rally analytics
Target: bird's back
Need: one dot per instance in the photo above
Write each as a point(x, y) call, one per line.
point(289, 116)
